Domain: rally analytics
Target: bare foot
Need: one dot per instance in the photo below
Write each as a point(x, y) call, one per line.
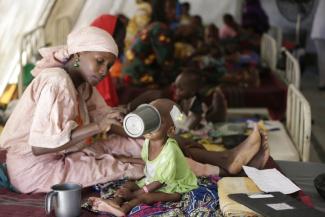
point(243, 153)
point(106, 206)
point(262, 156)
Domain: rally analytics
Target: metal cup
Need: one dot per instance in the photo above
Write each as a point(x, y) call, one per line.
point(143, 120)
point(66, 198)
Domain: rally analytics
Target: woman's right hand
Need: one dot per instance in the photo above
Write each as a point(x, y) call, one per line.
point(113, 117)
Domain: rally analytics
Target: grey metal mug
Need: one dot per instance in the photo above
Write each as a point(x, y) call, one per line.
point(143, 120)
point(65, 199)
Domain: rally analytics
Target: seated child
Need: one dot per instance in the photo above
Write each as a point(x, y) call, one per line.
point(192, 103)
point(230, 28)
point(167, 174)
point(187, 86)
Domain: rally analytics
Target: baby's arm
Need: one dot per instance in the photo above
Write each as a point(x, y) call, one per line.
point(130, 192)
point(153, 186)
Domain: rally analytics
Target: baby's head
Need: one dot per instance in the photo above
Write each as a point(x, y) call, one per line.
point(187, 84)
point(164, 107)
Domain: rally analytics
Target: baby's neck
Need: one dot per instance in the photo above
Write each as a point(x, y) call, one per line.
point(158, 142)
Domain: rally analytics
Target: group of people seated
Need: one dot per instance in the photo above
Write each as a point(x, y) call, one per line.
point(163, 57)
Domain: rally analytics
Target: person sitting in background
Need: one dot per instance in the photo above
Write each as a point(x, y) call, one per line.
point(211, 35)
point(140, 19)
point(254, 18)
point(230, 29)
point(148, 60)
point(185, 13)
point(187, 86)
point(167, 174)
point(185, 92)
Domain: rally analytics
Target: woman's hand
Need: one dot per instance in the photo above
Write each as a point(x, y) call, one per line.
point(123, 159)
point(123, 109)
point(132, 160)
point(113, 117)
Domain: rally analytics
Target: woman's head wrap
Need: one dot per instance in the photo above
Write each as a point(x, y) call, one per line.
point(86, 39)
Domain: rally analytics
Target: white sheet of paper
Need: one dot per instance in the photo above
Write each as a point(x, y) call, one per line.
point(271, 180)
point(280, 206)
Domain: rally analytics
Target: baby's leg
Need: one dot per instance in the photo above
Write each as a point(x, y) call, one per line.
point(103, 205)
point(149, 198)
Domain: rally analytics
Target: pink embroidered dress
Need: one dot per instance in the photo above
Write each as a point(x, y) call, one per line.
point(44, 117)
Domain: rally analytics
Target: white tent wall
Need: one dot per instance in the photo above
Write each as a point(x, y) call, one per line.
point(210, 10)
point(23, 16)
point(62, 19)
point(17, 18)
point(95, 8)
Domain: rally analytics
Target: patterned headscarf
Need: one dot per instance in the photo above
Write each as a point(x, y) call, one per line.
point(86, 39)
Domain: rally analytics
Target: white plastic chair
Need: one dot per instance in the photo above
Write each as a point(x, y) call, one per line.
point(276, 33)
point(29, 46)
point(269, 51)
point(292, 71)
point(298, 121)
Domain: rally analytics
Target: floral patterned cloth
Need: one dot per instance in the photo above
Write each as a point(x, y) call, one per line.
point(151, 51)
point(202, 201)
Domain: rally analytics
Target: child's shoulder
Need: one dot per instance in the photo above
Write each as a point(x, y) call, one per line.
point(172, 144)
point(171, 141)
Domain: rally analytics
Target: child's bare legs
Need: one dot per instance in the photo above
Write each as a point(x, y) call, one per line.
point(149, 198)
point(124, 193)
point(231, 160)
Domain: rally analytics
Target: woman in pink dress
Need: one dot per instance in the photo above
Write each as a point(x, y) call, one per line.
point(230, 29)
point(48, 136)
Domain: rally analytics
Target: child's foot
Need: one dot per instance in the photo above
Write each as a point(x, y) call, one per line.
point(106, 206)
point(243, 153)
point(263, 154)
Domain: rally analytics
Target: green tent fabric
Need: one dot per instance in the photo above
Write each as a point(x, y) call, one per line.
point(27, 76)
point(4, 180)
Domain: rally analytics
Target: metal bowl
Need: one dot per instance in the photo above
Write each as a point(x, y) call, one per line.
point(319, 183)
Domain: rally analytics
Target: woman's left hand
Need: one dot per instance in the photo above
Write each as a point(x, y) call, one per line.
point(121, 108)
point(113, 117)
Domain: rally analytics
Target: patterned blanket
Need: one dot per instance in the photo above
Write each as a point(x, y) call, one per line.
point(202, 201)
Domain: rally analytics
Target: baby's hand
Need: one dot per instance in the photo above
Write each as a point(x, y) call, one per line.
point(124, 193)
